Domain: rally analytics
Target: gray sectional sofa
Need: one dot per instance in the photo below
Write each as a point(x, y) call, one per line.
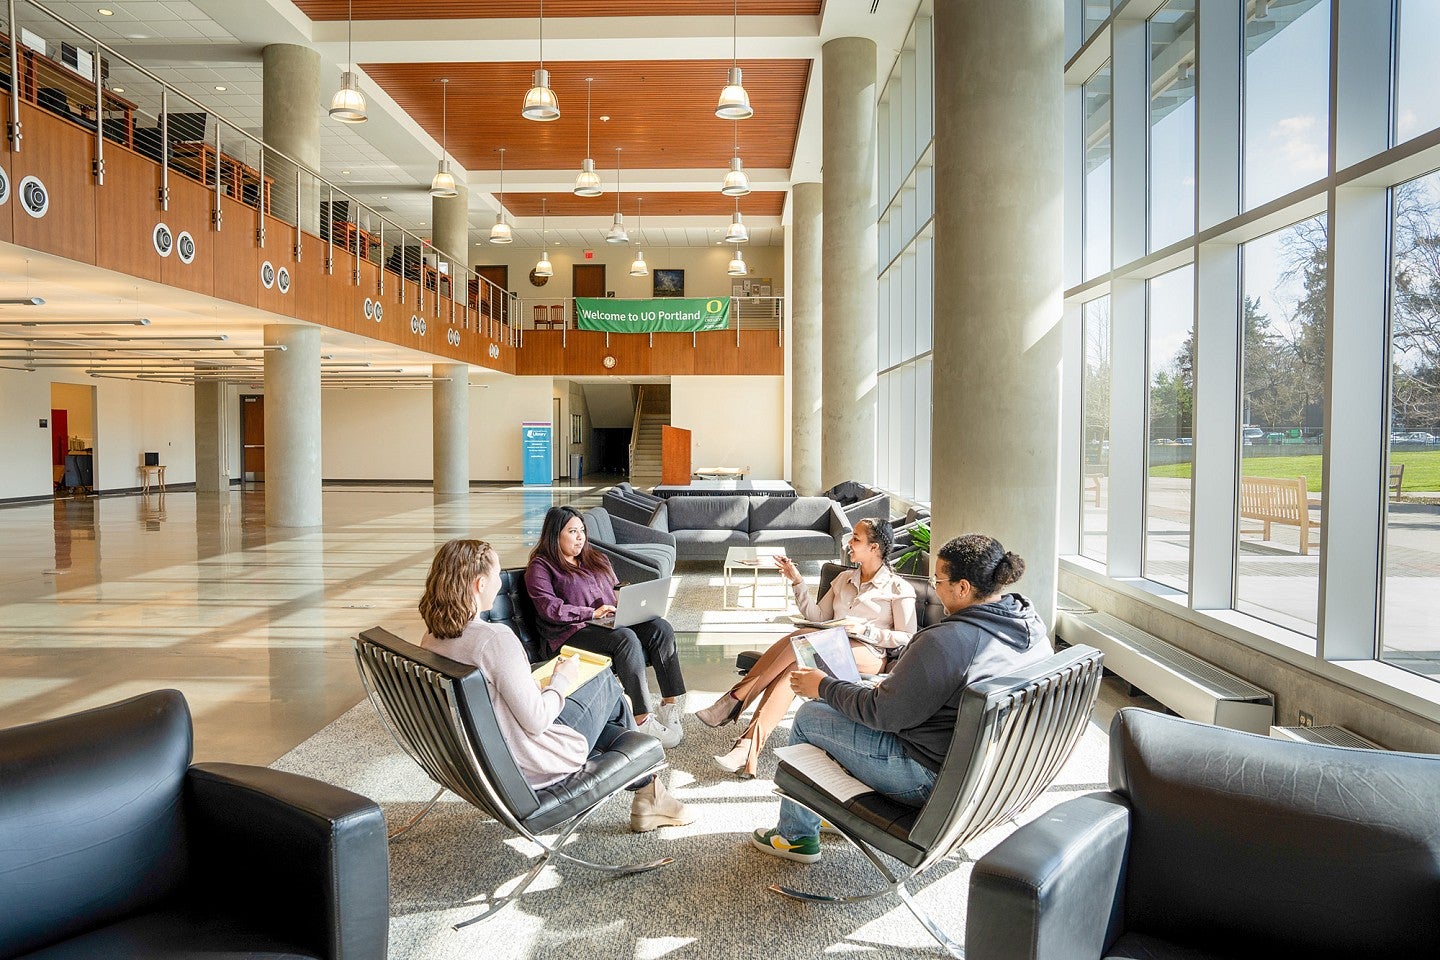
point(808, 528)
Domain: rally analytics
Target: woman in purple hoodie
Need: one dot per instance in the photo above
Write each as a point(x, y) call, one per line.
point(572, 583)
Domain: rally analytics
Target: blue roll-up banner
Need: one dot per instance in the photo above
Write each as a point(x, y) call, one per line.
point(535, 452)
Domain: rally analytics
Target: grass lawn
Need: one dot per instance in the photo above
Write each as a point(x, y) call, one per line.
point(1422, 469)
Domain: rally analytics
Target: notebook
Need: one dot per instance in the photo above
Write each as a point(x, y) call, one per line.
point(591, 665)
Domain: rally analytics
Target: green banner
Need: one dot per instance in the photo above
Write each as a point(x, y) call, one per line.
point(662, 315)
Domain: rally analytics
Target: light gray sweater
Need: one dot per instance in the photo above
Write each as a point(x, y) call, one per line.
point(545, 751)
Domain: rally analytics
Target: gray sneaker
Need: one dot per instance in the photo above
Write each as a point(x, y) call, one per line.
point(667, 737)
point(672, 714)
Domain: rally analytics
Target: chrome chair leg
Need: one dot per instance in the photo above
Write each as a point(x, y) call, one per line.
point(951, 946)
point(418, 817)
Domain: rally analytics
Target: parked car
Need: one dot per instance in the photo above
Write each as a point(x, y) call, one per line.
point(1249, 435)
point(1185, 441)
point(1421, 437)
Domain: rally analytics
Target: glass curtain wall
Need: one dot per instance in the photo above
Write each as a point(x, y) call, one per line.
point(906, 132)
point(1268, 174)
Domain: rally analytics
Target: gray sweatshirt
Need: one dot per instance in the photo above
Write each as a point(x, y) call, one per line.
point(920, 698)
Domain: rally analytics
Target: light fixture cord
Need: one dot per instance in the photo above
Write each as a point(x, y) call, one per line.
point(734, 38)
point(502, 180)
point(588, 81)
point(617, 179)
point(444, 117)
point(542, 34)
point(350, 34)
point(638, 201)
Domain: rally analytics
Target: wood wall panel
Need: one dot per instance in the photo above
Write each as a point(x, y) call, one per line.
point(761, 353)
point(310, 291)
point(7, 225)
point(190, 209)
point(279, 250)
point(127, 213)
point(675, 445)
point(237, 257)
point(714, 354)
point(59, 154)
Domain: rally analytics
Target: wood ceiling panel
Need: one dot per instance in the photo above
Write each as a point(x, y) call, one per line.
point(507, 9)
point(662, 112)
point(768, 203)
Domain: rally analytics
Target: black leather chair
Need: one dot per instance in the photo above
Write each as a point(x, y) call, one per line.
point(860, 501)
point(1012, 734)
point(928, 608)
point(513, 608)
point(439, 711)
point(112, 844)
point(636, 552)
point(1215, 843)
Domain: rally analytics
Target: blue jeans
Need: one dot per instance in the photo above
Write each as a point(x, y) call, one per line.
point(872, 757)
point(598, 712)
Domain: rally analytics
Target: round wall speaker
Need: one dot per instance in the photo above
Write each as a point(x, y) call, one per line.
point(163, 240)
point(185, 247)
point(34, 197)
point(267, 274)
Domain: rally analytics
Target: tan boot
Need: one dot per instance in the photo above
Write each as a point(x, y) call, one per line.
point(653, 807)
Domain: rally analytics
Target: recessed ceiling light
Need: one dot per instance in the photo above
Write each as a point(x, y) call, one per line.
point(105, 13)
point(118, 89)
point(137, 36)
point(384, 196)
point(422, 223)
point(604, 118)
point(344, 173)
point(221, 88)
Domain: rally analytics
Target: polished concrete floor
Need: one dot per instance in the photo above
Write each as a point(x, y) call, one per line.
point(102, 598)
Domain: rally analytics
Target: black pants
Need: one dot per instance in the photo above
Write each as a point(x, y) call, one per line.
point(630, 649)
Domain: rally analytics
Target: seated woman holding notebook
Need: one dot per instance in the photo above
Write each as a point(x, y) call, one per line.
point(571, 584)
point(879, 609)
point(551, 729)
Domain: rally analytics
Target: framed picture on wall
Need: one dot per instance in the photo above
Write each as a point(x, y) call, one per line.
point(575, 436)
point(668, 283)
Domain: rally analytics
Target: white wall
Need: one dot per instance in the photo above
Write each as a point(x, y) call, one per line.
point(378, 433)
point(734, 422)
point(704, 268)
point(131, 418)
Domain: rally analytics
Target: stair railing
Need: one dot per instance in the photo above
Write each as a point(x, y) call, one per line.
point(635, 427)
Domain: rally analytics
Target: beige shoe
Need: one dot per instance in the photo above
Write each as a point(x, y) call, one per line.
point(740, 760)
point(654, 806)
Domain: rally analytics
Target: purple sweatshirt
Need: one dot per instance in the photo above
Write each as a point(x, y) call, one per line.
point(565, 599)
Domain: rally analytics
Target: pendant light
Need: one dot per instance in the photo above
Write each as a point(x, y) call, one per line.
point(543, 267)
point(736, 182)
point(734, 101)
point(587, 182)
point(737, 266)
point(617, 232)
point(500, 233)
point(540, 102)
point(737, 232)
point(348, 104)
point(638, 267)
point(443, 183)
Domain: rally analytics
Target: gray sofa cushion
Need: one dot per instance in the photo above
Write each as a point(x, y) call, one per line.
point(730, 514)
point(789, 513)
point(708, 544)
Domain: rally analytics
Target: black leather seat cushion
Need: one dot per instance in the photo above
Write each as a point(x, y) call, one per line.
point(1139, 946)
point(629, 757)
point(872, 817)
point(174, 932)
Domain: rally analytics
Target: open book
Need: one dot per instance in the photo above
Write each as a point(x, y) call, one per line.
point(823, 771)
point(851, 624)
point(591, 665)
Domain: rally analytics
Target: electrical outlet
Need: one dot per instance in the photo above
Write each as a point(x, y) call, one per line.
point(1306, 720)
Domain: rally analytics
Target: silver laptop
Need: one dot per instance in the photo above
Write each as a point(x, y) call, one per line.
point(638, 602)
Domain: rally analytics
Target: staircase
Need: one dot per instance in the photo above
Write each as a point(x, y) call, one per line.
point(652, 411)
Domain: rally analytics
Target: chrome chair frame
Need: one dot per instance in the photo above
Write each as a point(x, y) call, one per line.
point(1012, 735)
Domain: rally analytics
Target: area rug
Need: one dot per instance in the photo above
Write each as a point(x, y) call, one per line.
point(711, 902)
point(701, 603)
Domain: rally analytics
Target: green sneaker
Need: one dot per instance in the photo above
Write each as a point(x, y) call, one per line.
point(801, 849)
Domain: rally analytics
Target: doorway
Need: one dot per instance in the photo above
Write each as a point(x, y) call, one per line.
point(252, 437)
point(494, 304)
point(72, 436)
point(588, 280)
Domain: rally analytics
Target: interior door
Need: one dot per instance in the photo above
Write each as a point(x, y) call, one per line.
point(252, 437)
point(493, 303)
point(588, 280)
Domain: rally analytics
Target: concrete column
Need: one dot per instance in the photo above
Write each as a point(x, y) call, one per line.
point(450, 395)
point(451, 232)
point(292, 426)
point(291, 112)
point(212, 475)
point(850, 252)
point(998, 221)
point(806, 375)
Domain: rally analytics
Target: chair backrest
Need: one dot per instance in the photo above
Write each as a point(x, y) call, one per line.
point(185, 127)
point(928, 608)
point(1223, 820)
point(53, 99)
point(91, 818)
point(557, 313)
point(439, 712)
point(514, 608)
point(790, 513)
point(538, 313)
point(598, 525)
point(1012, 734)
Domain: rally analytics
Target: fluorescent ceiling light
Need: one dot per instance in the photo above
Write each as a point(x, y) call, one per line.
point(22, 302)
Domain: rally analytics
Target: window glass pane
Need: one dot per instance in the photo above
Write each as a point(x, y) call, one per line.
point(1287, 96)
point(1172, 123)
point(1095, 453)
point(1282, 404)
point(1412, 535)
point(1095, 13)
point(1417, 69)
point(1097, 173)
point(1171, 380)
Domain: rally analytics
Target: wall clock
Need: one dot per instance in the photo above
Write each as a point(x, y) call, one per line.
point(609, 363)
point(537, 280)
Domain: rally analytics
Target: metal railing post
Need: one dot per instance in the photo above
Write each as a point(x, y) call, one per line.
point(99, 120)
point(382, 256)
point(299, 237)
point(165, 148)
point(260, 201)
point(218, 215)
point(329, 233)
point(13, 129)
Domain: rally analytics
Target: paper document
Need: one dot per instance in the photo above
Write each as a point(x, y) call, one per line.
point(827, 650)
point(849, 623)
point(591, 665)
point(821, 770)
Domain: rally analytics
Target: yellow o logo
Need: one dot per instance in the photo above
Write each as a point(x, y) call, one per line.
point(714, 306)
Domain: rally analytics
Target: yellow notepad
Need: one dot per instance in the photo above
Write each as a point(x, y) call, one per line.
point(591, 665)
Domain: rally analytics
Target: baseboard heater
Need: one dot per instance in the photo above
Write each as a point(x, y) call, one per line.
point(1187, 685)
point(1331, 736)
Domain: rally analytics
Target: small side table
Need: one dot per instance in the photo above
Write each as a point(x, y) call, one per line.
point(752, 559)
point(158, 472)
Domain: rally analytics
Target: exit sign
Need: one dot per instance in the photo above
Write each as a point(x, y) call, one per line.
point(589, 254)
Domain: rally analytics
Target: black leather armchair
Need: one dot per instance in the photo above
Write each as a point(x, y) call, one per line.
point(860, 501)
point(513, 608)
point(637, 553)
point(115, 846)
point(1215, 843)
